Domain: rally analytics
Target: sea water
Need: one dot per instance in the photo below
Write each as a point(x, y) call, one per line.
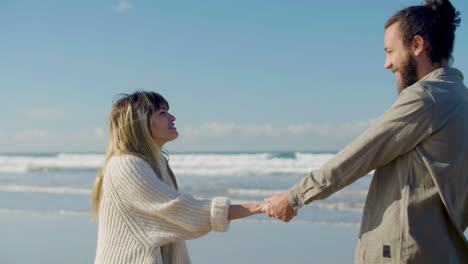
point(60, 183)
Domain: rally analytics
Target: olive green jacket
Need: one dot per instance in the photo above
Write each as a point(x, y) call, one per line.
point(417, 205)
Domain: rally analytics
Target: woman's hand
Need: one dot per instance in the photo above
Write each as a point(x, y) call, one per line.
point(238, 211)
point(262, 207)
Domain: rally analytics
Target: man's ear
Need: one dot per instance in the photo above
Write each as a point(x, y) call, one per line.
point(418, 45)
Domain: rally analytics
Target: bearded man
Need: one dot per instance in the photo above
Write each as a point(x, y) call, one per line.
point(417, 206)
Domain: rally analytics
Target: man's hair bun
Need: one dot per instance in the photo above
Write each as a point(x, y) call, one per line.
point(445, 10)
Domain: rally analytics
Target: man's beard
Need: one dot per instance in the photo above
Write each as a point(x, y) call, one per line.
point(408, 74)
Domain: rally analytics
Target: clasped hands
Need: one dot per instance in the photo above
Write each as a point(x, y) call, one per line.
point(279, 207)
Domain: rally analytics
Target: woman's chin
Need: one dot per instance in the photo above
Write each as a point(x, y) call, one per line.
point(175, 135)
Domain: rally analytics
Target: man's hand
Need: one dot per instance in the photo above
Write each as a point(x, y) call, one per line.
point(278, 206)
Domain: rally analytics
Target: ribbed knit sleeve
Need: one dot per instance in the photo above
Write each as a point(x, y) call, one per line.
point(158, 212)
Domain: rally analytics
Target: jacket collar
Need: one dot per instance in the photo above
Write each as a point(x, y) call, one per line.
point(440, 72)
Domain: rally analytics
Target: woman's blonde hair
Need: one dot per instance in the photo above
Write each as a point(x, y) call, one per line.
point(130, 133)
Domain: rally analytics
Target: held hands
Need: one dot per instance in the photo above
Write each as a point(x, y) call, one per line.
point(237, 211)
point(279, 207)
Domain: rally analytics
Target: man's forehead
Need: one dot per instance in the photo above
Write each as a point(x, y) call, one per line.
point(392, 35)
point(393, 30)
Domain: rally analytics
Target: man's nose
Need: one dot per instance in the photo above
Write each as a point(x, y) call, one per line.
point(388, 64)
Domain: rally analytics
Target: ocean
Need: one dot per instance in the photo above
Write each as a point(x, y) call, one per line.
point(45, 203)
point(60, 183)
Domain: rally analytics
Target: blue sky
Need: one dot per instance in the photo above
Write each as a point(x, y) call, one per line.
point(244, 75)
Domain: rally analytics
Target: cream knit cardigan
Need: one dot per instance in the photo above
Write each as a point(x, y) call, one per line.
point(139, 213)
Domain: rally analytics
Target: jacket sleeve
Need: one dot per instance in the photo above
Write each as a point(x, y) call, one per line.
point(159, 212)
point(396, 132)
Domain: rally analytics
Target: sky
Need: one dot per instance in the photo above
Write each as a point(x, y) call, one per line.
point(244, 75)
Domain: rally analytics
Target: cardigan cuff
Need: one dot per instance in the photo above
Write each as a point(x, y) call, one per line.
point(219, 214)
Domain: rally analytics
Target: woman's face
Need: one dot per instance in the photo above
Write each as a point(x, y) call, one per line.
point(163, 129)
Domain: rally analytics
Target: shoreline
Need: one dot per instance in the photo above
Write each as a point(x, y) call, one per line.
point(69, 238)
point(64, 238)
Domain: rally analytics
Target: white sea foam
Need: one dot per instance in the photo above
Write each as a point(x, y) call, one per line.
point(244, 220)
point(182, 164)
point(21, 164)
point(43, 189)
point(253, 192)
point(246, 164)
point(47, 212)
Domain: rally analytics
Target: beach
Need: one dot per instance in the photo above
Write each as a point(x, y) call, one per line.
point(45, 203)
point(276, 243)
point(28, 237)
point(59, 238)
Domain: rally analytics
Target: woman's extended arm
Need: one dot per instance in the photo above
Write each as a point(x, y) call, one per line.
point(238, 211)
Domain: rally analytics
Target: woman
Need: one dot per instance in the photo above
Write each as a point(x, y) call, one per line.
point(142, 216)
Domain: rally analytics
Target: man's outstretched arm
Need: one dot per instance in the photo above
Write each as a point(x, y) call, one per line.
point(398, 131)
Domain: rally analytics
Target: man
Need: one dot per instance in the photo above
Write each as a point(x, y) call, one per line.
point(417, 205)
